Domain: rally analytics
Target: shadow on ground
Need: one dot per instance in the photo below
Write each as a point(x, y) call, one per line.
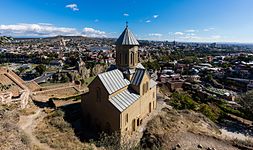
point(41, 104)
point(82, 129)
point(232, 125)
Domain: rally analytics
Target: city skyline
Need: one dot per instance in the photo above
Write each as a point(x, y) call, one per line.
point(184, 20)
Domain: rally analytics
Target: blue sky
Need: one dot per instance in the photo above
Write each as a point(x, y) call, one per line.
point(184, 20)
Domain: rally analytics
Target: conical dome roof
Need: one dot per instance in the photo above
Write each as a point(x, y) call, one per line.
point(127, 38)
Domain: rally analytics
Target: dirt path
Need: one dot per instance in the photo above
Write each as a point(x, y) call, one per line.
point(188, 140)
point(28, 123)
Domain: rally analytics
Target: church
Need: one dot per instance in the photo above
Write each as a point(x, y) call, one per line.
point(120, 98)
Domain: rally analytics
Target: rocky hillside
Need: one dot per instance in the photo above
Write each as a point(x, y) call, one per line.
point(185, 129)
point(11, 136)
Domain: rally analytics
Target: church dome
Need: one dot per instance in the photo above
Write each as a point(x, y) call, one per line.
point(127, 38)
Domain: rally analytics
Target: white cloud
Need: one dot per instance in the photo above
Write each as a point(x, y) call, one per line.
point(40, 29)
point(90, 32)
point(47, 30)
point(155, 16)
point(194, 38)
point(126, 14)
point(190, 30)
point(209, 29)
point(191, 34)
point(215, 36)
point(190, 37)
point(179, 33)
point(73, 7)
point(45, 24)
point(155, 34)
point(148, 21)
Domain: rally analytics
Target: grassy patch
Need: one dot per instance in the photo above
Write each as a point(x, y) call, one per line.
point(11, 136)
point(89, 80)
point(58, 133)
point(213, 113)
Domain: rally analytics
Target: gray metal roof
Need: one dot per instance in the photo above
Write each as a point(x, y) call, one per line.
point(113, 80)
point(139, 65)
point(132, 70)
point(137, 78)
point(127, 38)
point(124, 99)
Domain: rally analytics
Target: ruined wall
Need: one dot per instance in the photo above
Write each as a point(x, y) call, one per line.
point(98, 69)
point(86, 73)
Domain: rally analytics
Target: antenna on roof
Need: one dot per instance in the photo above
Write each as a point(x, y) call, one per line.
point(126, 24)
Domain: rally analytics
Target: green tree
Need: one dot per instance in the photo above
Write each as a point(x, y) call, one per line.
point(40, 69)
point(4, 39)
point(208, 112)
point(183, 101)
point(246, 100)
point(152, 65)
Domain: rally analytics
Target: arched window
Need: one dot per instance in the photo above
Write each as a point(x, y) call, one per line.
point(147, 86)
point(143, 88)
point(132, 58)
point(98, 94)
point(126, 59)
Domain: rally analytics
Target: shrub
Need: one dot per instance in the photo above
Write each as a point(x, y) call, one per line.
point(25, 139)
point(57, 113)
point(183, 101)
point(59, 123)
point(57, 120)
point(116, 141)
point(208, 112)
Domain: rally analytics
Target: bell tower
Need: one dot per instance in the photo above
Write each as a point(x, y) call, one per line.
point(126, 50)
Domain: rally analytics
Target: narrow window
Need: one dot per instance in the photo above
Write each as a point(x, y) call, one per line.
point(146, 86)
point(126, 59)
point(150, 107)
point(126, 119)
point(143, 88)
point(132, 58)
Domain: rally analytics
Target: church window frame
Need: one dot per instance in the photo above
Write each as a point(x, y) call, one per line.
point(147, 86)
point(143, 88)
point(132, 58)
